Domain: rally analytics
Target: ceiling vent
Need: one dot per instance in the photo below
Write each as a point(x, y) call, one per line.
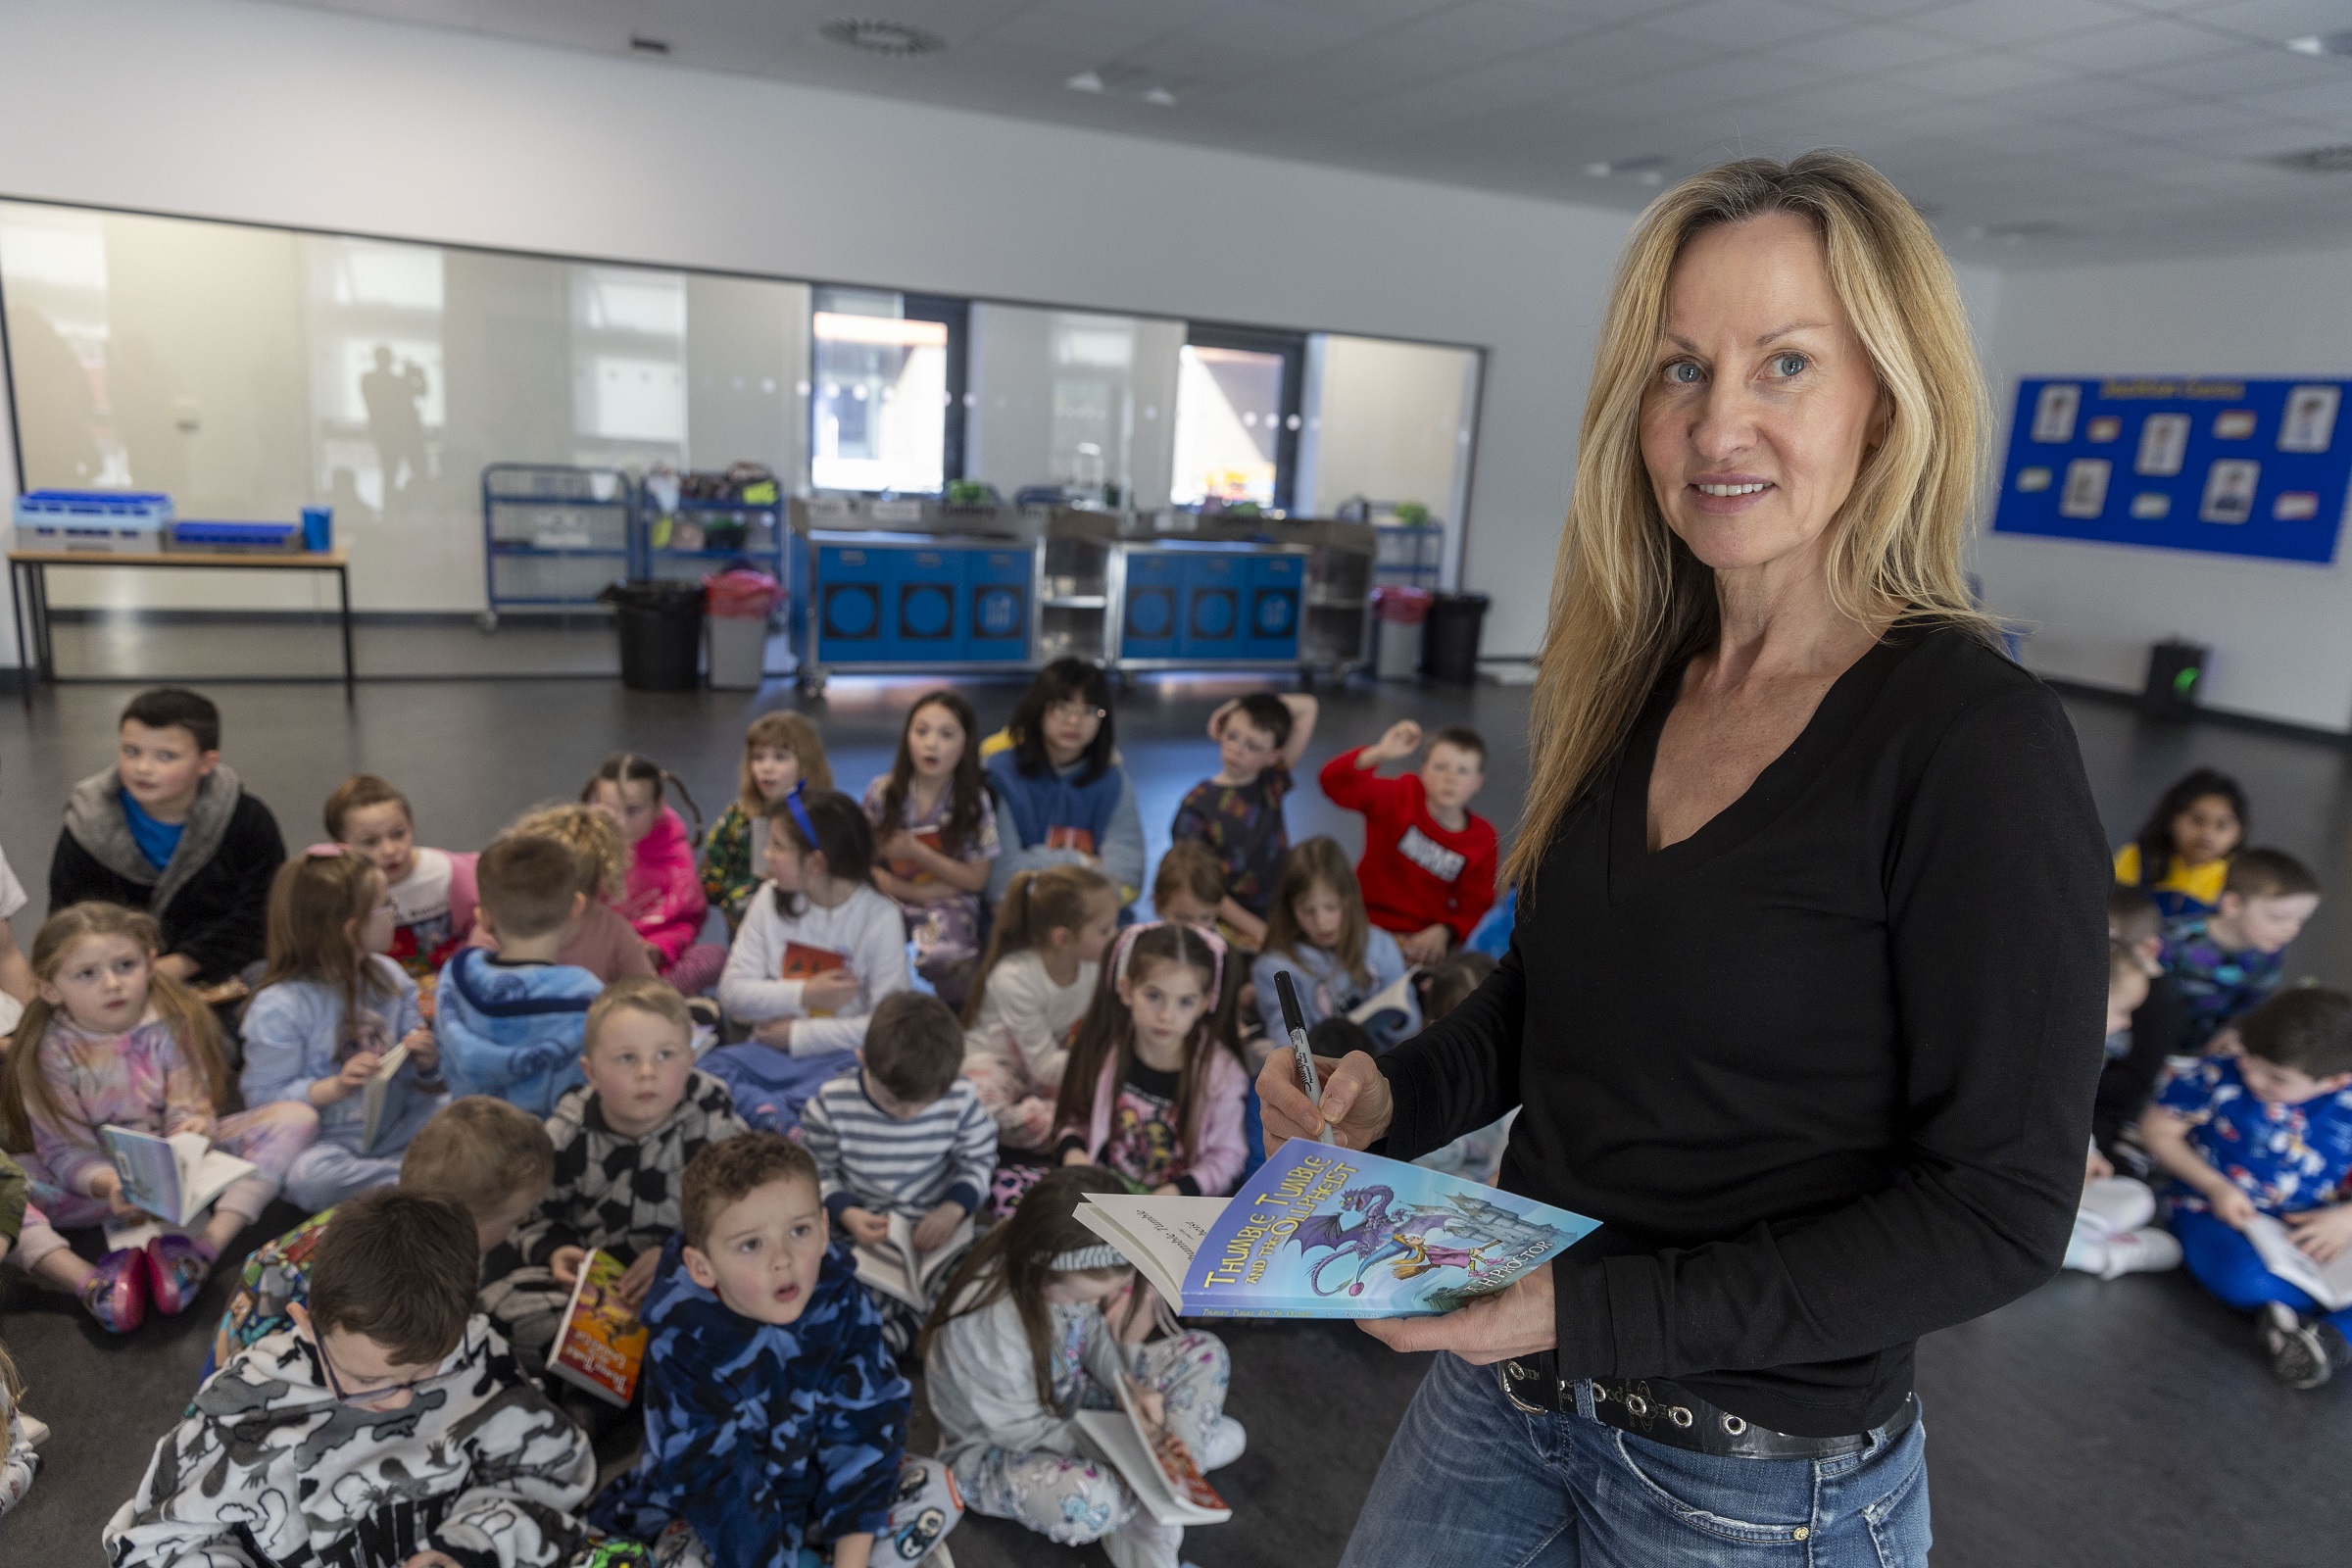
point(896, 39)
point(657, 47)
point(2336, 159)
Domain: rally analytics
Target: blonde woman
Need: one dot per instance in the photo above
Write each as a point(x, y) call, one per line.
point(1805, 995)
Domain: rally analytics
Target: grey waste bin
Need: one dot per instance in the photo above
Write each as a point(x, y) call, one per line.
point(1396, 617)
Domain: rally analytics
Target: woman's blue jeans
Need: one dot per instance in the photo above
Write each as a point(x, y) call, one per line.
point(1472, 1479)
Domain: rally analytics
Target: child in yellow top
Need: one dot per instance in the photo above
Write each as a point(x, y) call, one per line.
point(2181, 856)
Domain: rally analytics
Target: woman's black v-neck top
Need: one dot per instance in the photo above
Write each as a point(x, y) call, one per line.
point(1824, 1069)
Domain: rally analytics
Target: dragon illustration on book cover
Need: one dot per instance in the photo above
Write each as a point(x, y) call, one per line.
point(1372, 1228)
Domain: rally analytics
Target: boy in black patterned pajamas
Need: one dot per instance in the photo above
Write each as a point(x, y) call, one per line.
point(622, 1140)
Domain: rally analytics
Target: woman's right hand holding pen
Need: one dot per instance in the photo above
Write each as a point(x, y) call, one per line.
point(1356, 1106)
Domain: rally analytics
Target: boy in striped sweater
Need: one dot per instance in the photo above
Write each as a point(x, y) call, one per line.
point(903, 1134)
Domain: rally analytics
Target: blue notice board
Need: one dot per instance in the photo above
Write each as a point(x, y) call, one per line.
point(2236, 467)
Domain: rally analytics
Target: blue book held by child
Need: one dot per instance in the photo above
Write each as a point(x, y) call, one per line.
point(1321, 1231)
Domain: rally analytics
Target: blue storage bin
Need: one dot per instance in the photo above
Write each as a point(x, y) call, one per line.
point(1154, 618)
point(927, 584)
point(851, 625)
point(1212, 606)
point(194, 535)
point(996, 588)
point(128, 521)
point(1276, 589)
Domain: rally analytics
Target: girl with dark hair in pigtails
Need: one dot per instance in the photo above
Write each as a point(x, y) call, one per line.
point(664, 899)
point(2181, 856)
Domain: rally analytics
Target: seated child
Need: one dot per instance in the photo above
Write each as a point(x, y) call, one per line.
point(621, 1140)
point(775, 1424)
point(1428, 867)
point(1189, 888)
point(779, 749)
point(111, 1039)
point(15, 975)
point(599, 938)
point(2113, 1233)
point(1238, 813)
point(390, 1412)
point(489, 1157)
point(902, 1135)
point(2227, 962)
point(1040, 1320)
point(2181, 853)
point(2266, 1132)
point(818, 949)
point(2136, 1053)
point(510, 1021)
point(329, 1007)
point(665, 900)
point(1155, 1087)
point(935, 787)
point(1035, 985)
point(1063, 797)
point(1444, 986)
point(20, 1459)
point(168, 829)
point(432, 891)
point(1336, 957)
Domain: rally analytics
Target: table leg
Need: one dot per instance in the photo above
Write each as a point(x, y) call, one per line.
point(350, 677)
point(16, 621)
point(43, 647)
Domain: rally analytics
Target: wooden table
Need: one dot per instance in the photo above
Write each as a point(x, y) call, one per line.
point(28, 591)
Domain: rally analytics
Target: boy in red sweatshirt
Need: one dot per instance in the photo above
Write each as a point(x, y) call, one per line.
point(1428, 870)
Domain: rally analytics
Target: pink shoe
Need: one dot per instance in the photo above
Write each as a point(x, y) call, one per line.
point(115, 1292)
point(176, 1268)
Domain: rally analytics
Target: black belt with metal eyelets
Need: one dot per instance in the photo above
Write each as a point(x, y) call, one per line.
point(1669, 1413)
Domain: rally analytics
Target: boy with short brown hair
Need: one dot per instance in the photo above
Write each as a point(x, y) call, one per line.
point(509, 1022)
point(2227, 962)
point(288, 1455)
point(1428, 869)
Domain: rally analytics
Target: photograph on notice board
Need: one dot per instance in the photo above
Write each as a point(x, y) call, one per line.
point(2054, 411)
point(2106, 427)
point(2229, 491)
point(2086, 494)
point(2295, 506)
point(2151, 503)
point(2309, 425)
point(2163, 444)
point(2233, 424)
point(2032, 481)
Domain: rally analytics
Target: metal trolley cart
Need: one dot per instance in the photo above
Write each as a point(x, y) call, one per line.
point(1290, 594)
point(729, 531)
point(913, 588)
point(553, 535)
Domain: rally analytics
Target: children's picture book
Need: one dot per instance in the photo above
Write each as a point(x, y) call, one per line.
point(377, 1093)
point(175, 1178)
point(803, 961)
point(1070, 838)
point(2329, 1283)
point(600, 1345)
point(1156, 1463)
point(896, 1269)
point(912, 870)
point(1321, 1231)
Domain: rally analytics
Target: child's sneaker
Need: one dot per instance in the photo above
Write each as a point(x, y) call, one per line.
point(176, 1268)
point(2298, 1355)
point(2150, 1250)
point(115, 1292)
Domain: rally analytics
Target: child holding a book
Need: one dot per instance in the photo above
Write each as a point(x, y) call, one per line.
point(2263, 1137)
point(1428, 867)
point(779, 749)
point(510, 1019)
point(330, 1007)
point(1044, 1319)
point(818, 949)
point(1039, 975)
point(112, 1040)
point(622, 1140)
point(1156, 1086)
point(1238, 813)
point(664, 900)
point(431, 891)
point(1319, 934)
point(905, 1137)
point(775, 1422)
point(1063, 797)
point(935, 830)
point(387, 1412)
point(599, 937)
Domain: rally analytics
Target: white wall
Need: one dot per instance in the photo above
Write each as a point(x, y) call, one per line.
point(278, 115)
point(2280, 632)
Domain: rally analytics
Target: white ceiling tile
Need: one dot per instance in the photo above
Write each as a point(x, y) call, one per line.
point(1089, 27)
point(2133, 45)
point(1876, 47)
point(2251, 70)
point(1744, 24)
point(2006, 23)
point(2329, 103)
point(1977, 76)
point(2274, 22)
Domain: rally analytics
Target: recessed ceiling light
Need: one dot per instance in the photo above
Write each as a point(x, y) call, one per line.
point(1085, 81)
point(1649, 170)
point(894, 39)
point(648, 46)
point(2321, 43)
point(2336, 159)
point(1124, 80)
point(1161, 97)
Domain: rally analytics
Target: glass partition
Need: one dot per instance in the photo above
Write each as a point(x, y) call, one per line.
point(1073, 403)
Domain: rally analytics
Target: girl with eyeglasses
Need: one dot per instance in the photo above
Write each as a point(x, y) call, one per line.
point(1063, 799)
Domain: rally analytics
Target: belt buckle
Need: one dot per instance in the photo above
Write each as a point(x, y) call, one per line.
point(1504, 1373)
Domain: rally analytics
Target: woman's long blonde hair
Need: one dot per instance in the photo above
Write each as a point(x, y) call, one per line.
point(1628, 598)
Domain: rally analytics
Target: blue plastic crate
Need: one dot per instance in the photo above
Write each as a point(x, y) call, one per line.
point(235, 535)
point(124, 509)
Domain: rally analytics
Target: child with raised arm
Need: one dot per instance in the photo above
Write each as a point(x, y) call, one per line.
point(1428, 866)
point(817, 949)
point(622, 1140)
point(775, 1422)
point(2227, 962)
point(1036, 984)
point(1042, 1321)
point(111, 1039)
point(1238, 813)
point(331, 1005)
point(935, 831)
point(431, 891)
point(2266, 1134)
point(510, 1021)
point(386, 1428)
point(779, 749)
point(903, 1134)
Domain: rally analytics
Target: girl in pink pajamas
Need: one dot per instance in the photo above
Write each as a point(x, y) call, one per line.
point(110, 1041)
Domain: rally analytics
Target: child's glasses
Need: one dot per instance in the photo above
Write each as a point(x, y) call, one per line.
point(365, 1396)
point(1072, 709)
